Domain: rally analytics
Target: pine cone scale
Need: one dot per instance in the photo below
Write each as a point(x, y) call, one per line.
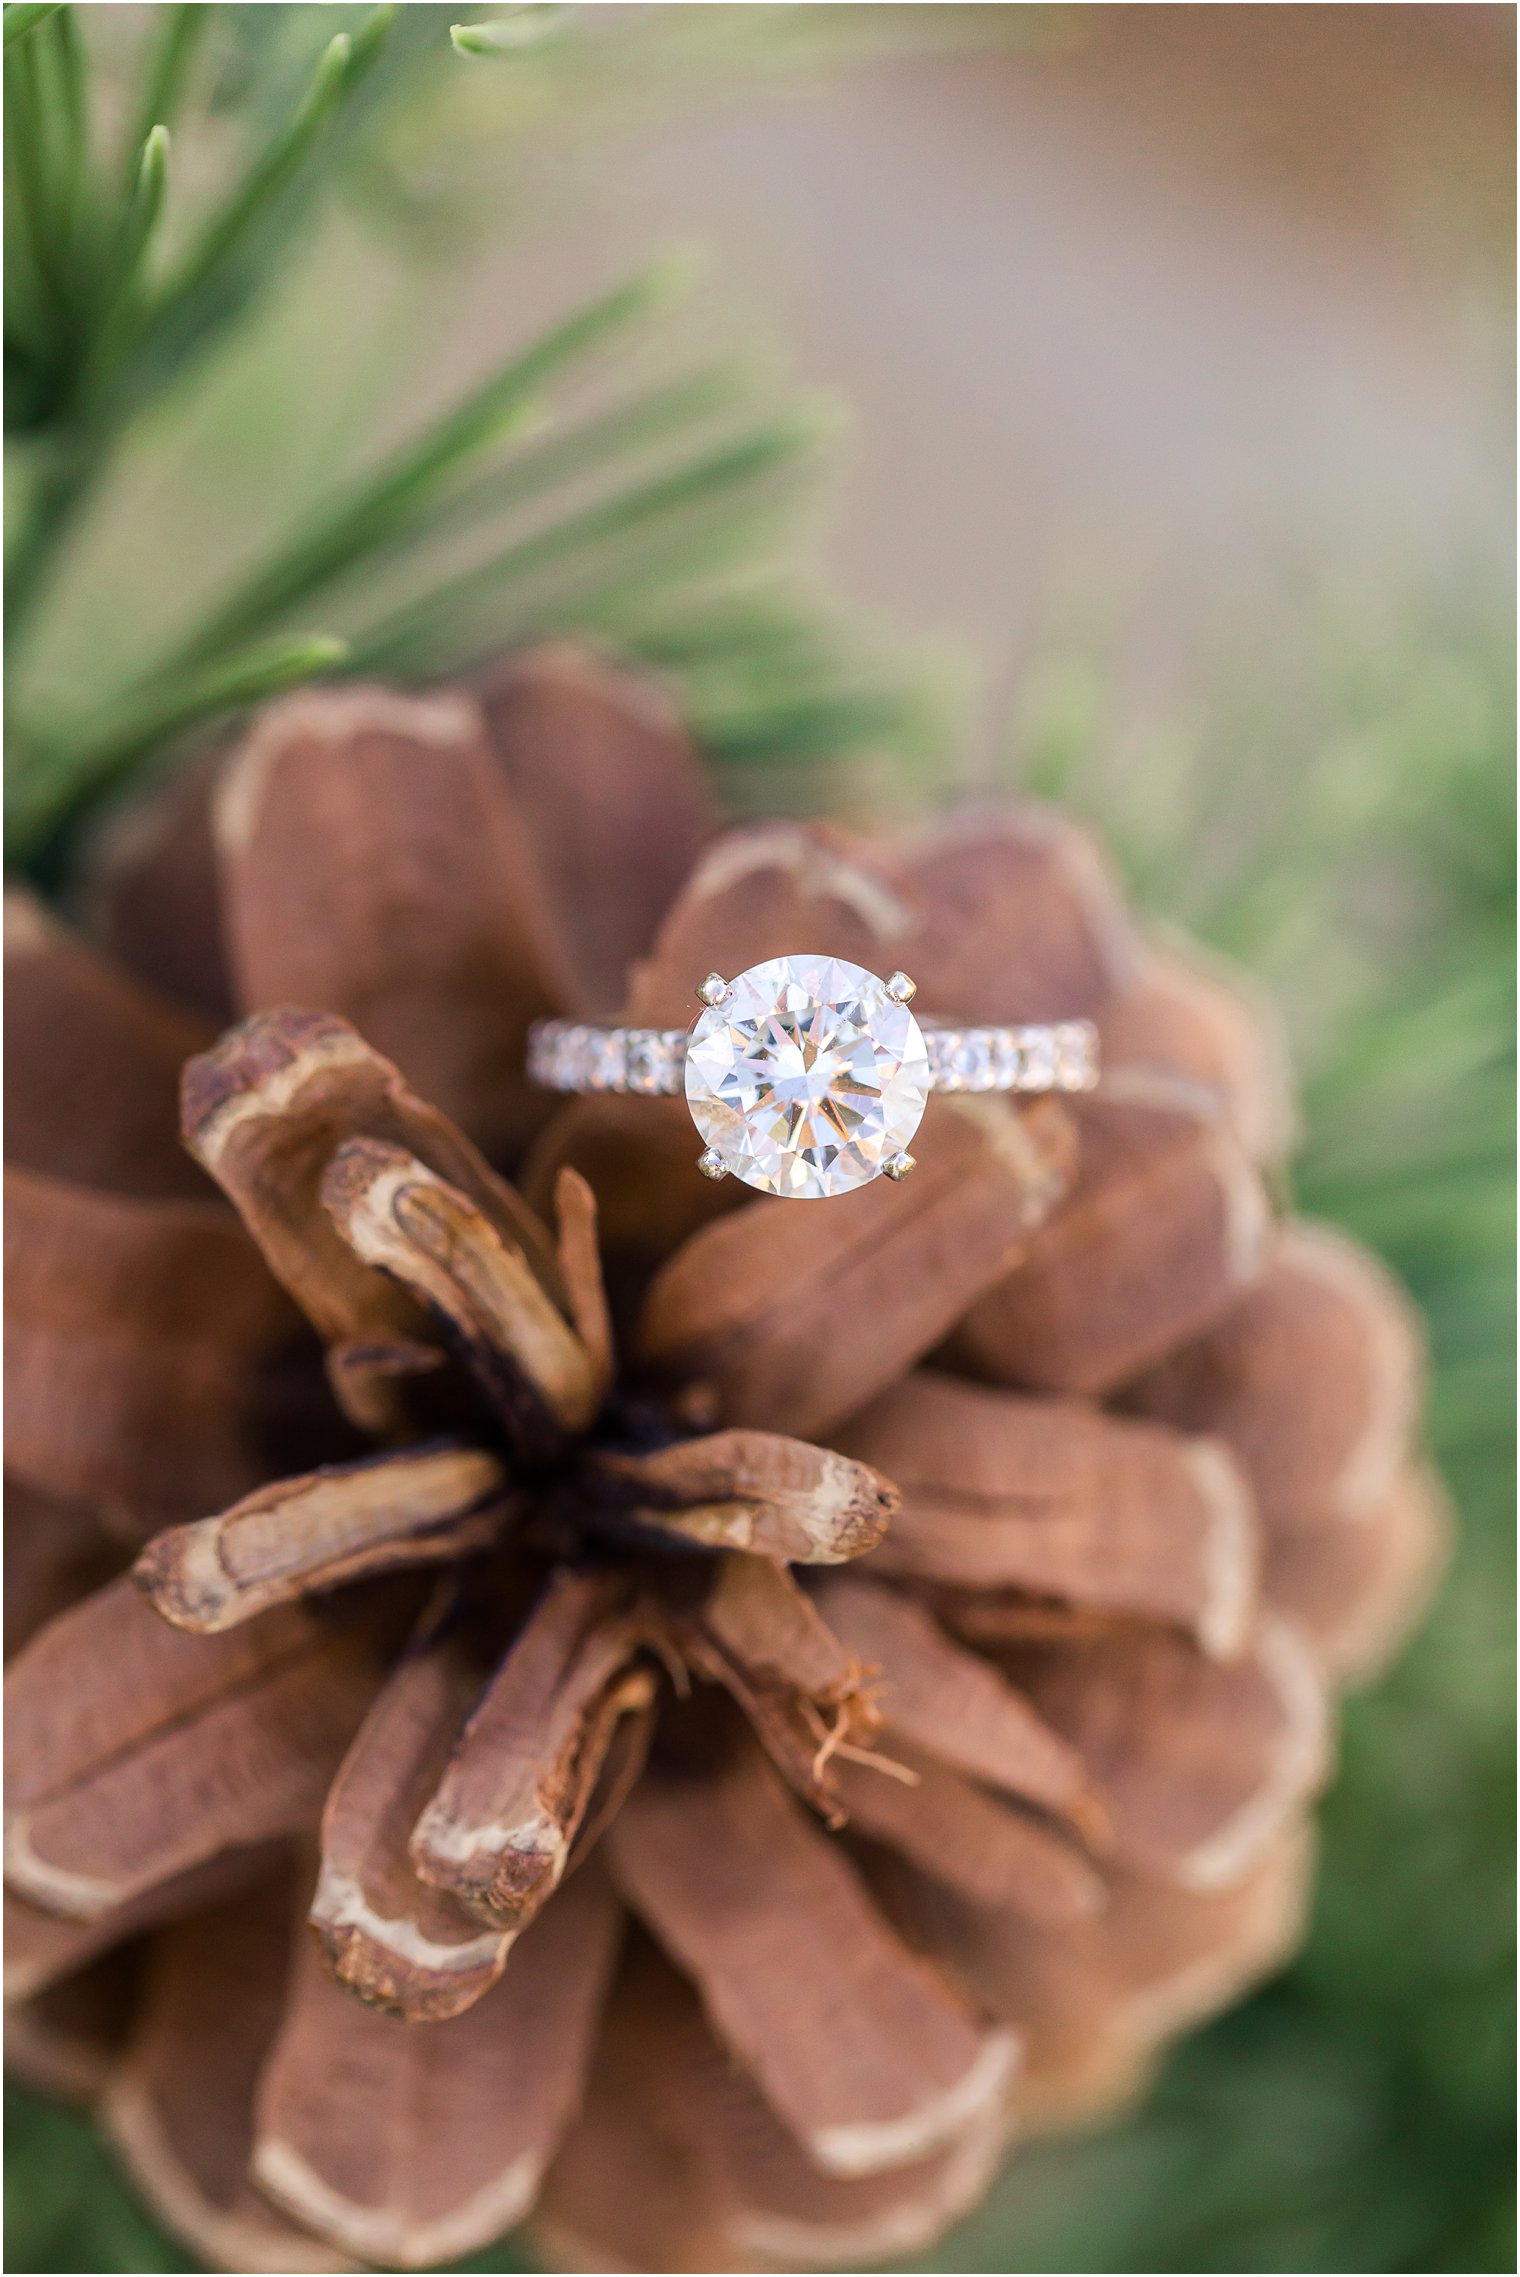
point(340, 1524)
point(1166, 1223)
point(780, 1322)
point(102, 1113)
point(809, 1701)
point(775, 2205)
point(760, 893)
point(226, 1741)
point(122, 1311)
point(614, 799)
point(863, 2052)
point(406, 2144)
point(976, 1842)
point(392, 1938)
point(43, 1950)
point(953, 1702)
point(1189, 1014)
point(1135, 1707)
point(757, 1491)
point(1054, 1499)
point(1095, 1998)
point(180, 2107)
point(405, 1222)
point(1322, 1317)
point(265, 1112)
point(374, 865)
point(1022, 919)
point(498, 1831)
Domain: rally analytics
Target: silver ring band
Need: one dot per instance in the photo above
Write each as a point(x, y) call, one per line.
point(585, 1056)
point(808, 1075)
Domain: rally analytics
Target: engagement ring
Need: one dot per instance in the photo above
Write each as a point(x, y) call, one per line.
point(807, 1076)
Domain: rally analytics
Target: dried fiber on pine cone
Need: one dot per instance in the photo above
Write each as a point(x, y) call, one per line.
point(538, 1683)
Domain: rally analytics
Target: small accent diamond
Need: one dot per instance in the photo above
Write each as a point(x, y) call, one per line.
point(604, 1062)
point(1075, 1067)
point(653, 1057)
point(1041, 1060)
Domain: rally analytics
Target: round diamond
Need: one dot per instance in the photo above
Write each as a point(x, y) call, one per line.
point(808, 1078)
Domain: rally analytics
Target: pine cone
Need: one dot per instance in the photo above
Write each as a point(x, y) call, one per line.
point(753, 1700)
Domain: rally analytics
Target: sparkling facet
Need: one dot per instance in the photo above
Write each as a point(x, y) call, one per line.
point(1041, 1059)
point(1075, 1065)
point(1007, 1060)
point(653, 1055)
point(602, 1064)
point(808, 1078)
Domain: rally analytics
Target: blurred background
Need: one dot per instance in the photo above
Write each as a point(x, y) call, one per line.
point(1169, 351)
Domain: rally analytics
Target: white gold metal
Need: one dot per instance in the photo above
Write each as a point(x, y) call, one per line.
point(577, 1055)
point(807, 1075)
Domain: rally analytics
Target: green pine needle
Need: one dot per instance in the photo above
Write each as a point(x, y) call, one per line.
point(271, 173)
point(171, 58)
point(714, 482)
point(509, 33)
point(379, 512)
point(618, 435)
point(140, 218)
point(24, 15)
point(369, 42)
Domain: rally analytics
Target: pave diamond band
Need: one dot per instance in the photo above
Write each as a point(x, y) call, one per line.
point(807, 1076)
point(576, 1055)
point(579, 1055)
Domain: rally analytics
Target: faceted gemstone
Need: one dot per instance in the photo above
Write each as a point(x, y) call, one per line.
point(808, 1078)
point(1075, 1065)
point(1007, 1060)
point(1041, 1059)
point(602, 1068)
point(653, 1060)
point(963, 1059)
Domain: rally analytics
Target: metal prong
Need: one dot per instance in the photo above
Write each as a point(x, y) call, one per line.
point(901, 989)
point(713, 989)
point(900, 1165)
point(711, 1163)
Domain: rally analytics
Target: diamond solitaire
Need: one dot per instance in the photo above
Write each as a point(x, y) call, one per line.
point(807, 1075)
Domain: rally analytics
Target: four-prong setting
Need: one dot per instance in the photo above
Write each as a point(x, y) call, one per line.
point(808, 1078)
point(807, 1075)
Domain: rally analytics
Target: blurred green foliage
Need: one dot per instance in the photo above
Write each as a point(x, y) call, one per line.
point(1341, 820)
point(560, 492)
